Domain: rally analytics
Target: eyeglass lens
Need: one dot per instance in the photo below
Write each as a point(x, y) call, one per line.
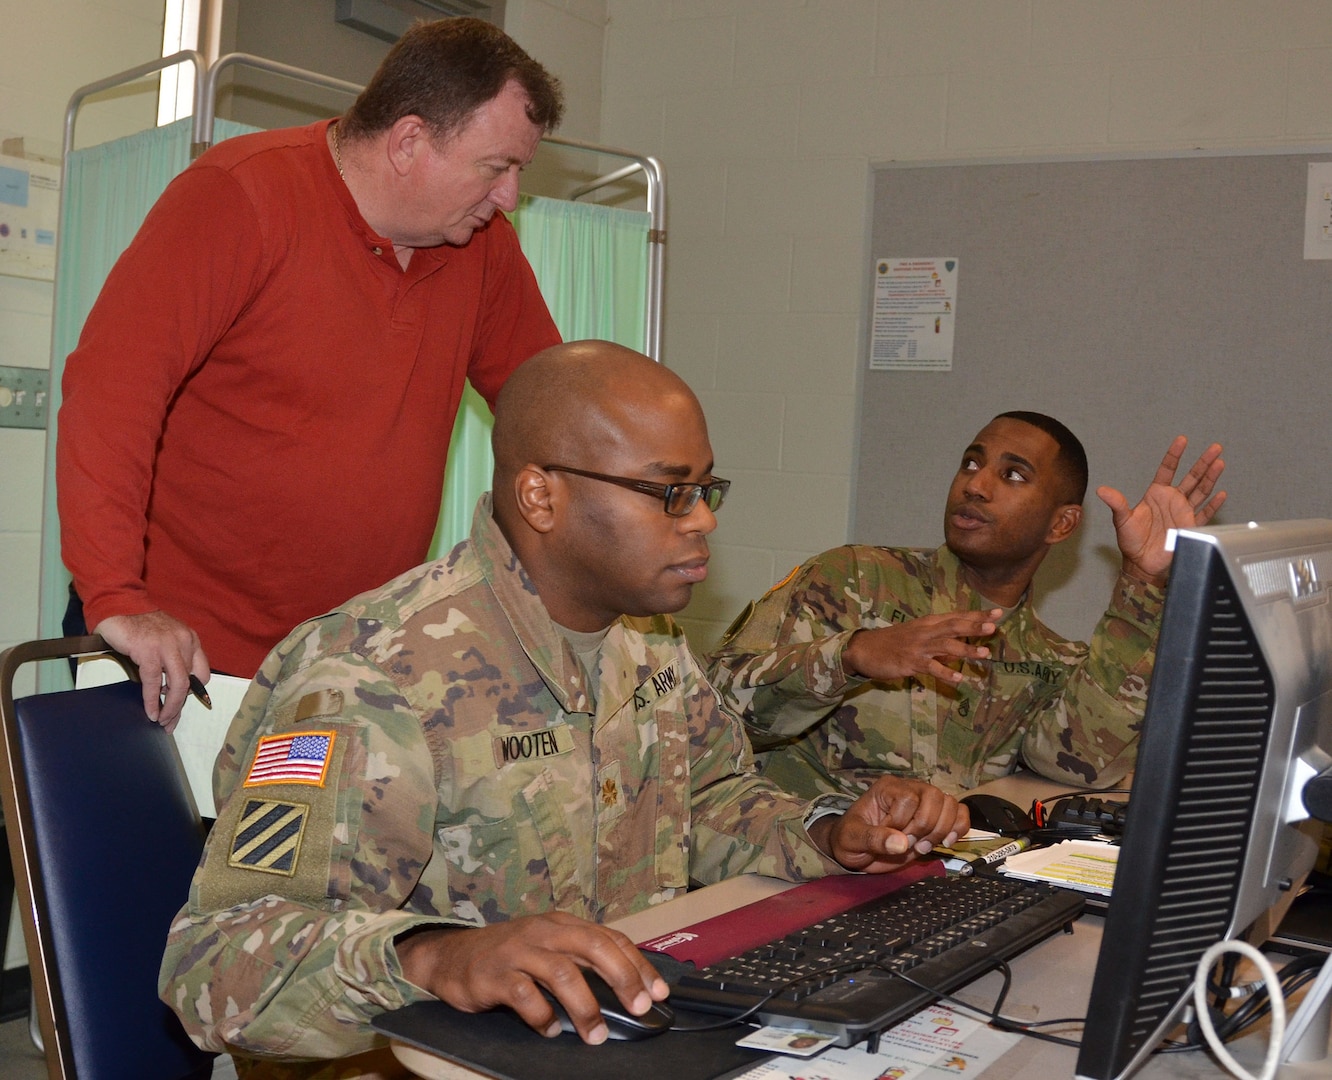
point(682, 498)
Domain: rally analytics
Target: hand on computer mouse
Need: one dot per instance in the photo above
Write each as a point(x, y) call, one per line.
point(503, 965)
point(620, 1022)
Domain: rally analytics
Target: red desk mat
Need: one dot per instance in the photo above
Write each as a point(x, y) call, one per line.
point(758, 923)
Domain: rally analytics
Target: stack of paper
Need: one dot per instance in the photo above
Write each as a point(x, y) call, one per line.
point(1085, 865)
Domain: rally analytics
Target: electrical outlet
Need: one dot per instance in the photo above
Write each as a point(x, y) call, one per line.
point(24, 395)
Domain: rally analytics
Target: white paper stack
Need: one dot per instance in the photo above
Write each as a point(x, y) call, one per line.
point(1085, 865)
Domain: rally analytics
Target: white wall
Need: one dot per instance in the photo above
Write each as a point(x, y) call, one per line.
point(567, 37)
point(53, 48)
point(768, 115)
point(304, 34)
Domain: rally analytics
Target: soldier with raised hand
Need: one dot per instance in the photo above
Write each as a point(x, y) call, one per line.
point(445, 787)
point(933, 664)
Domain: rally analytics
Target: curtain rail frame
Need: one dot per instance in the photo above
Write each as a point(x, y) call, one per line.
point(205, 106)
point(205, 90)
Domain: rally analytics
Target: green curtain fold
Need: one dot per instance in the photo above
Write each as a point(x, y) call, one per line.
point(591, 263)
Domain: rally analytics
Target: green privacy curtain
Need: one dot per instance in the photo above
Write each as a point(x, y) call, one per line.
point(109, 189)
point(592, 265)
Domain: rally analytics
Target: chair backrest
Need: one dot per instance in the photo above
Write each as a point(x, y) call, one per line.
point(104, 837)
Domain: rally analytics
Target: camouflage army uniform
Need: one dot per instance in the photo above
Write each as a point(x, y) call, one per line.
point(457, 769)
point(1071, 711)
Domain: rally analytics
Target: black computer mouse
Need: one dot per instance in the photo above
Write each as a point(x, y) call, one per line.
point(620, 1022)
point(996, 815)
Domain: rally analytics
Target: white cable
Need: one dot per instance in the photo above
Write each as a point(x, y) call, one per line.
point(1278, 1033)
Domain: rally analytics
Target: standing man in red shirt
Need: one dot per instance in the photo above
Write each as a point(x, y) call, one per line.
point(257, 415)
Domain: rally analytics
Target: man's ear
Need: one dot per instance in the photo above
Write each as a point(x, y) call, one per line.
point(1064, 523)
point(536, 503)
point(407, 139)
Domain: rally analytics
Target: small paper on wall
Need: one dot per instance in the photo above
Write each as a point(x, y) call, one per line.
point(915, 307)
point(29, 207)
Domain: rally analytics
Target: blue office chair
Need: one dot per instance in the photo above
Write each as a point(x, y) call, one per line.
point(104, 838)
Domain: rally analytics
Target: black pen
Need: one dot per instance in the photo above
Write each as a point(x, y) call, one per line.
point(197, 689)
point(998, 855)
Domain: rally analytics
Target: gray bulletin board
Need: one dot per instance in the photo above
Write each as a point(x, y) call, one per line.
point(1132, 299)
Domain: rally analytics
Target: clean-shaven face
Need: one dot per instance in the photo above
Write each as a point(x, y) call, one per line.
point(621, 552)
point(1002, 501)
point(465, 178)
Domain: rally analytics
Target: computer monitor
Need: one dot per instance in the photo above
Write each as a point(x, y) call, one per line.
point(1237, 736)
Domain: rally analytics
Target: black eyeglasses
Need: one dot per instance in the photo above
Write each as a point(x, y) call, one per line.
point(677, 499)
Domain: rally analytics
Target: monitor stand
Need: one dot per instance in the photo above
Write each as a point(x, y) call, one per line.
point(1306, 928)
point(1307, 1033)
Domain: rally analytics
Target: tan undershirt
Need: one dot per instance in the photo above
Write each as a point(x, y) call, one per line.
point(586, 646)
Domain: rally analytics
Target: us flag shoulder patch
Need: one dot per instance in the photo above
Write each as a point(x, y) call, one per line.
point(268, 836)
point(298, 757)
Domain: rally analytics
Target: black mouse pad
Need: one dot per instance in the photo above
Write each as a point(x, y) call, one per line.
point(498, 1044)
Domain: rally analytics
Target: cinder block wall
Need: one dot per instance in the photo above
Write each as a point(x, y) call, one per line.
point(768, 115)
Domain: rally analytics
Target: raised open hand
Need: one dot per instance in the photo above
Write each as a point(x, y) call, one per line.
point(1141, 530)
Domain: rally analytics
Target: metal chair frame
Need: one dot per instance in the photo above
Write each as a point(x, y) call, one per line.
point(93, 943)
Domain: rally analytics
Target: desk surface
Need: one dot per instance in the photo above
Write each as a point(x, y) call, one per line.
point(1050, 980)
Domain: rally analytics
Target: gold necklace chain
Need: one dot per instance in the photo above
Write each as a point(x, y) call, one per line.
point(337, 152)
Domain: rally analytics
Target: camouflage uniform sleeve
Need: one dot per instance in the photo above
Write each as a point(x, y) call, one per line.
point(779, 664)
point(285, 947)
point(741, 823)
point(1089, 734)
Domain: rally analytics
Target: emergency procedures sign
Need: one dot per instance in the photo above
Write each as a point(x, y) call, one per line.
point(915, 305)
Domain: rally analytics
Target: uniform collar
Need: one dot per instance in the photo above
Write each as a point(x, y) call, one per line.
point(955, 583)
point(550, 653)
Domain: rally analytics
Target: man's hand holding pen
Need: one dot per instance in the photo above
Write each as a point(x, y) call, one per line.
point(169, 658)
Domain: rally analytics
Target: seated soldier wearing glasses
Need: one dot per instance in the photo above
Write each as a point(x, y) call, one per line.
point(933, 664)
point(500, 751)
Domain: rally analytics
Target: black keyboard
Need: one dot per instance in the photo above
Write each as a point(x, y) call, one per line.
point(839, 976)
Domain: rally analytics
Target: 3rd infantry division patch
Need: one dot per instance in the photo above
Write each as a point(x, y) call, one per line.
point(268, 836)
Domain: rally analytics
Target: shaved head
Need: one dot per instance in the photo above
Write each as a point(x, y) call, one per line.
point(593, 547)
point(574, 404)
